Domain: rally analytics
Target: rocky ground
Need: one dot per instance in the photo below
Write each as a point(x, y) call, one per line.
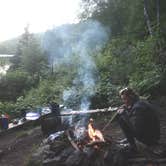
point(62, 151)
point(16, 148)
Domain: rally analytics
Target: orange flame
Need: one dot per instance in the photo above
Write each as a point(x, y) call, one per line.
point(94, 134)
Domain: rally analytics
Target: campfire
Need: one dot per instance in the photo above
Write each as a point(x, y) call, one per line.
point(84, 144)
point(94, 134)
point(81, 138)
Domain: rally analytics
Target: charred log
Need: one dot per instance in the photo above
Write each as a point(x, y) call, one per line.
point(95, 143)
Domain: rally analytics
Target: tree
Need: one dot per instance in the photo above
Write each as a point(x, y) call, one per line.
point(147, 18)
point(127, 17)
point(14, 84)
point(29, 56)
point(112, 13)
point(158, 13)
point(22, 44)
point(34, 61)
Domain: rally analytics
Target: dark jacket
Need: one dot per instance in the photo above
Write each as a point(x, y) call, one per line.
point(145, 122)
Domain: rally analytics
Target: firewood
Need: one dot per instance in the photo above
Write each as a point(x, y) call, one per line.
point(91, 144)
point(72, 141)
point(75, 159)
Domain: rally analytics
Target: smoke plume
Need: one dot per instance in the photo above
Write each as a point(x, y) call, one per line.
point(82, 40)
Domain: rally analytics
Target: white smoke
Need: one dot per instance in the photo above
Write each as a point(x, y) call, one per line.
point(82, 40)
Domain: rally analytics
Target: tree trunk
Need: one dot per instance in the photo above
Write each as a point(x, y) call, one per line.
point(147, 18)
point(158, 13)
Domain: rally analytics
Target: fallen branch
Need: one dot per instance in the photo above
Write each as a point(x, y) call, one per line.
point(71, 141)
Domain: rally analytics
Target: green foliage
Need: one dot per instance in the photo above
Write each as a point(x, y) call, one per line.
point(33, 60)
point(120, 15)
point(14, 84)
point(126, 17)
point(7, 107)
point(29, 56)
point(130, 58)
point(49, 89)
point(106, 95)
point(146, 73)
point(114, 63)
point(37, 96)
point(114, 70)
point(129, 63)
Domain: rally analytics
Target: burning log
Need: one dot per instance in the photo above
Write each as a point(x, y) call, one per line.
point(94, 134)
point(95, 143)
point(93, 138)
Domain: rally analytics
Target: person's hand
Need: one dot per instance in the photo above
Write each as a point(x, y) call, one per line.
point(120, 110)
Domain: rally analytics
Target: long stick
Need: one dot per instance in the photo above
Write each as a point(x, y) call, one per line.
point(110, 121)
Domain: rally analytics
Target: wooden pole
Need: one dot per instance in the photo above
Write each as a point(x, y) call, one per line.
point(110, 121)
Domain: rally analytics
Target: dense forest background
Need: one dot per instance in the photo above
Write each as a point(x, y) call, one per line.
point(117, 43)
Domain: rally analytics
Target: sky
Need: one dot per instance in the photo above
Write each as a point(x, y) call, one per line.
point(40, 15)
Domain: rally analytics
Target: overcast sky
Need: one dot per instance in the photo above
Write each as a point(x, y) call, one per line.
point(39, 14)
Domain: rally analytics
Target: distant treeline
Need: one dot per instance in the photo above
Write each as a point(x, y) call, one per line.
point(115, 44)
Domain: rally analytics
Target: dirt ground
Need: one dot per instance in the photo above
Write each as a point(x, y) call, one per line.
point(16, 147)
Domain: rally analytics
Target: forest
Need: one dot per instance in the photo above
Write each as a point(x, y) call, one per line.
point(115, 44)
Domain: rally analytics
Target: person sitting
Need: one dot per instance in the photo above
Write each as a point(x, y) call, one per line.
point(138, 119)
